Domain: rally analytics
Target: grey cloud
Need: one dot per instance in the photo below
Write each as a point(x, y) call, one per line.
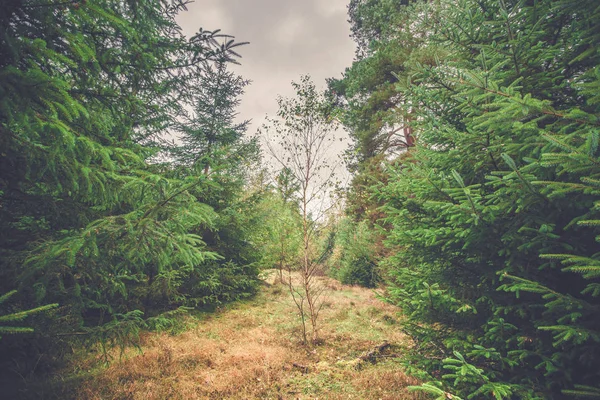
point(287, 38)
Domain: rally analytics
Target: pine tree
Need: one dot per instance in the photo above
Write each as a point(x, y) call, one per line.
point(372, 100)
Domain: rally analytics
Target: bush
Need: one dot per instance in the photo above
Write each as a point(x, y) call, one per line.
point(354, 259)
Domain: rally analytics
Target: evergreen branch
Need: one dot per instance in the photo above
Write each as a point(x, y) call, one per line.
point(19, 316)
point(511, 163)
point(548, 111)
point(66, 3)
point(170, 198)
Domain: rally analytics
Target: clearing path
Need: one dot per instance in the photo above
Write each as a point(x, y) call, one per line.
point(252, 351)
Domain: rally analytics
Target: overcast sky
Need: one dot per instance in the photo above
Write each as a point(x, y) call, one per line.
point(287, 38)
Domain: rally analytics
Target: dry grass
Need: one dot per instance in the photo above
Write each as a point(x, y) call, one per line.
point(252, 351)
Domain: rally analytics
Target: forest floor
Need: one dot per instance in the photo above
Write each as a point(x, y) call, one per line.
point(252, 350)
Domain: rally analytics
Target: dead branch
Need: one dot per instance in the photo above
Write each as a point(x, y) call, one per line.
point(371, 356)
point(302, 368)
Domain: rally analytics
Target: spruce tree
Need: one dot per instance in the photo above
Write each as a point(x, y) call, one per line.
point(213, 145)
point(491, 220)
point(86, 90)
point(210, 133)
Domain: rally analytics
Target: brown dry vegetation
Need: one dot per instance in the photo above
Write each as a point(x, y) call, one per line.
point(252, 351)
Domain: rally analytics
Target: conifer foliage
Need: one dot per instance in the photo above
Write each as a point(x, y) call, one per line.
point(88, 91)
point(492, 218)
point(210, 133)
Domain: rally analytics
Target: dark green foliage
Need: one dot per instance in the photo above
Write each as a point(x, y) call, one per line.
point(88, 219)
point(358, 271)
point(371, 99)
point(391, 40)
point(355, 259)
point(17, 316)
point(492, 219)
point(213, 147)
point(210, 136)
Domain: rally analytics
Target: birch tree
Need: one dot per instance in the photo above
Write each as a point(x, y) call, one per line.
point(300, 139)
